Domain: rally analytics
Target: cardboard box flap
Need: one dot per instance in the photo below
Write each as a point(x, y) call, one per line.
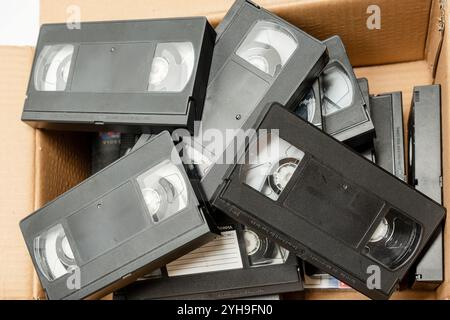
point(435, 35)
point(399, 36)
point(16, 173)
point(62, 160)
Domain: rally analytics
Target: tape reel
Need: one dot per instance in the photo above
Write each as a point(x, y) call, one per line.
point(172, 67)
point(267, 47)
point(261, 250)
point(53, 67)
point(53, 253)
point(272, 162)
point(164, 191)
point(394, 240)
point(337, 89)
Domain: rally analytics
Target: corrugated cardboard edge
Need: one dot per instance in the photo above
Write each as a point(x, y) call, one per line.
point(16, 173)
point(443, 70)
point(402, 37)
point(435, 35)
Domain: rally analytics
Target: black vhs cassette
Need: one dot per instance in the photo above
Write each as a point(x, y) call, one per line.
point(120, 75)
point(329, 205)
point(258, 59)
point(344, 109)
point(238, 263)
point(388, 150)
point(387, 116)
point(425, 173)
point(135, 215)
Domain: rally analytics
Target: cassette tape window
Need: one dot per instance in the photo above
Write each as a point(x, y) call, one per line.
point(53, 253)
point(164, 191)
point(262, 251)
point(271, 162)
point(337, 89)
point(268, 46)
point(394, 241)
point(172, 67)
point(53, 67)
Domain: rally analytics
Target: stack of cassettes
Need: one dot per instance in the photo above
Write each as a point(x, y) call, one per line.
point(229, 163)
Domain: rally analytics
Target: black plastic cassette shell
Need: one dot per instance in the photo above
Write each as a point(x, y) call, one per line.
point(249, 206)
point(237, 283)
point(99, 276)
point(225, 284)
point(358, 135)
point(287, 89)
point(425, 173)
point(312, 56)
point(387, 116)
point(123, 112)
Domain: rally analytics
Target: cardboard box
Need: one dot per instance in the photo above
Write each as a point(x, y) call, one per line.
point(410, 48)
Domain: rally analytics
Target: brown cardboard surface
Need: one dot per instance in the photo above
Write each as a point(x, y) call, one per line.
point(36, 167)
point(435, 34)
point(402, 37)
point(353, 295)
point(62, 161)
point(16, 173)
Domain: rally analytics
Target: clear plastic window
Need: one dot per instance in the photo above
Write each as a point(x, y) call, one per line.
point(270, 164)
point(394, 240)
point(52, 67)
point(164, 191)
point(262, 251)
point(337, 89)
point(307, 107)
point(53, 253)
point(172, 67)
point(268, 47)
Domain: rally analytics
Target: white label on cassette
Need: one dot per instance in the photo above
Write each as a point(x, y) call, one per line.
point(220, 254)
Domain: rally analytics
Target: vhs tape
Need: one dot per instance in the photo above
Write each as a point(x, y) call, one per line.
point(344, 109)
point(135, 215)
point(425, 174)
point(258, 59)
point(238, 263)
point(330, 206)
point(388, 150)
point(387, 116)
point(120, 75)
